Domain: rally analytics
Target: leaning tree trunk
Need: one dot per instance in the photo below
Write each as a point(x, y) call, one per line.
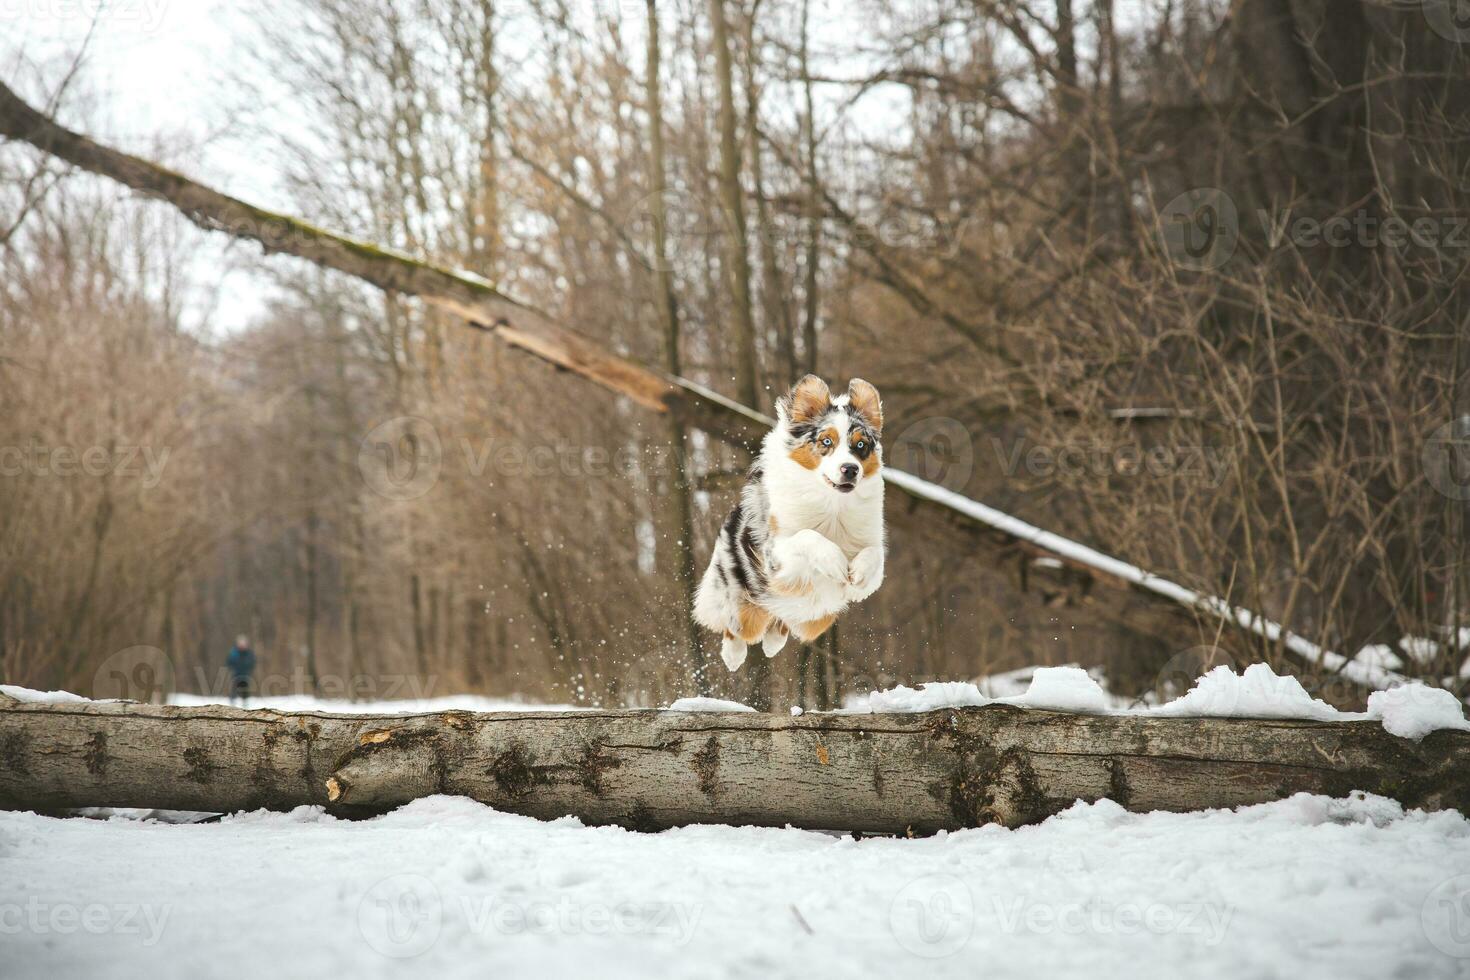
point(914, 773)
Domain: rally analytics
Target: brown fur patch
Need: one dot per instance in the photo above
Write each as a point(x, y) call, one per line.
point(806, 454)
point(809, 454)
point(864, 397)
point(775, 525)
point(753, 622)
point(809, 399)
point(870, 462)
point(807, 632)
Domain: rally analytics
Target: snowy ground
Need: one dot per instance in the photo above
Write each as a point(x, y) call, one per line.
point(444, 886)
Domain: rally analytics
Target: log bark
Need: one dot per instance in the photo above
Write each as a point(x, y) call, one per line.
point(886, 773)
point(1145, 603)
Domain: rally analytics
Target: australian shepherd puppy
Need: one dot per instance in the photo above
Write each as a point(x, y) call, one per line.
point(807, 536)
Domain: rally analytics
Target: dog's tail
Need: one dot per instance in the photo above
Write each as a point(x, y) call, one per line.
point(717, 601)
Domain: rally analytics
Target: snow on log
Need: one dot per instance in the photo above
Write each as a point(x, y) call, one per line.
point(892, 773)
point(1173, 610)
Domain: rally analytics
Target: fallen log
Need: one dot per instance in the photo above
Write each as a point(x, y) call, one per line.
point(647, 770)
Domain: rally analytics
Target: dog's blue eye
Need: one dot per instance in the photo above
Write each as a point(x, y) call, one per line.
point(861, 444)
point(827, 443)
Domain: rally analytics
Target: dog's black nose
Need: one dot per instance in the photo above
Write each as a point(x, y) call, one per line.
point(849, 471)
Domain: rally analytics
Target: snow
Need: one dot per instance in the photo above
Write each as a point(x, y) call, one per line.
point(1414, 710)
point(1307, 886)
point(926, 697)
point(40, 697)
point(1067, 688)
point(1259, 692)
point(1063, 689)
point(1408, 710)
point(1419, 649)
point(707, 704)
point(1381, 656)
point(407, 706)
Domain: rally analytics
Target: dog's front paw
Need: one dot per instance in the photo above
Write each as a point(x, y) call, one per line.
point(865, 574)
point(805, 557)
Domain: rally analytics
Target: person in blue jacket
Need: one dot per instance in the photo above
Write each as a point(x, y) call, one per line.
point(241, 662)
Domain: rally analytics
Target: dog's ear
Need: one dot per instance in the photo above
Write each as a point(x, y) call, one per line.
point(864, 397)
point(810, 399)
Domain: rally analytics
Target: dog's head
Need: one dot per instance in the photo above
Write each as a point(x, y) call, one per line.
point(834, 438)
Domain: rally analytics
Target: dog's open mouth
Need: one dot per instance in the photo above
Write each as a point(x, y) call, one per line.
point(841, 487)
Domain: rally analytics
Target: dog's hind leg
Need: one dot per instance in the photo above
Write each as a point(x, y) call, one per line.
point(775, 638)
point(732, 651)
